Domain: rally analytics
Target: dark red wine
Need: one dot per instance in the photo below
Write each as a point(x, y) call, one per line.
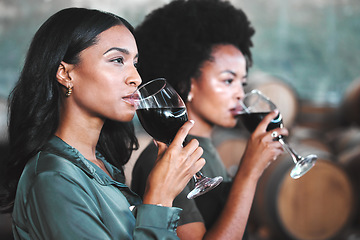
point(162, 123)
point(251, 120)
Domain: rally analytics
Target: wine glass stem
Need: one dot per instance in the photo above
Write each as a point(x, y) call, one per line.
point(292, 153)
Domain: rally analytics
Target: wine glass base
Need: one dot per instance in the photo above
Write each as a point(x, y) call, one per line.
point(204, 185)
point(303, 166)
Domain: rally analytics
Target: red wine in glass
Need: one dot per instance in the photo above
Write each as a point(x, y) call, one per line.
point(252, 120)
point(162, 123)
point(255, 106)
point(162, 112)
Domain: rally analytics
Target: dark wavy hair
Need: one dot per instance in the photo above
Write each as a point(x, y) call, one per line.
point(176, 39)
point(34, 103)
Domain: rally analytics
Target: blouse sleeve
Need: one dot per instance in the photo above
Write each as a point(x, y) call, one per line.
point(156, 222)
point(57, 207)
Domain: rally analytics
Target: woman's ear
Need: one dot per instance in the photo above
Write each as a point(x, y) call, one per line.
point(63, 76)
point(190, 94)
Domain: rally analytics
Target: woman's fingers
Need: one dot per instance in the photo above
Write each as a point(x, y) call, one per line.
point(273, 134)
point(276, 133)
point(189, 156)
point(194, 153)
point(186, 159)
point(267, 119)
point(191, 153)
point(182, 133)
point(175, 166)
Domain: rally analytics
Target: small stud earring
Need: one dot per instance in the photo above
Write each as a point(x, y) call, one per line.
point(68, 92)
point(189, 98)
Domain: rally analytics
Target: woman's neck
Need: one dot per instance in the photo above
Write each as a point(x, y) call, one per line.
point(80, 132)
point(201, 127)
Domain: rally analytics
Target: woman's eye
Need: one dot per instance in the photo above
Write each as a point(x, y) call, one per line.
point(118, 60)
point(228, 81)
point(136, 65)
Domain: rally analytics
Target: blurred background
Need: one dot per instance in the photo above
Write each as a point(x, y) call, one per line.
point(306, 58)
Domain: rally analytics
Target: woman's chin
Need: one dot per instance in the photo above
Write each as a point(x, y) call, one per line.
point(124, 117)
point(228, 124)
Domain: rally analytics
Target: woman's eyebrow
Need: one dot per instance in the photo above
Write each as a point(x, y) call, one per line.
point(234, 73)
point(229, 71)
point(123, 50)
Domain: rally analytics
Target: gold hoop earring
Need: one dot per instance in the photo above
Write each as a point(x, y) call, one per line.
point(68, 92)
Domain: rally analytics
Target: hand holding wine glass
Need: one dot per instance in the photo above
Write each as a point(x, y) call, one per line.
point(162, 112)
point(174, 167)
point(255, 106)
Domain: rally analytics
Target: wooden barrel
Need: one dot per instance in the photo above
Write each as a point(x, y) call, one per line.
point(322, 116)
point(317, 206)
point(344, 139)
point(280, 92)
point(308, 137)
point(349, 108)
point(350, 160)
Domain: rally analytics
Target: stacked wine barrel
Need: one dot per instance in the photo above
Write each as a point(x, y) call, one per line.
point(321, 205)
point(346, 144)
point(349, 110)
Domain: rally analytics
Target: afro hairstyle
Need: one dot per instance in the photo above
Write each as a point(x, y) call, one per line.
point(177, 38)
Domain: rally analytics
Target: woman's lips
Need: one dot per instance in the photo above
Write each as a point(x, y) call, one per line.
point(135, 97)
point(131, 99)
point(236, 110)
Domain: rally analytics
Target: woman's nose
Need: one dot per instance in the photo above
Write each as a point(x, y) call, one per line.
point(240, 93)
point(134, 79)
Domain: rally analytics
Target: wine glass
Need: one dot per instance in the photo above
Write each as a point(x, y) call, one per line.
point(255, 106)
point(161, 112)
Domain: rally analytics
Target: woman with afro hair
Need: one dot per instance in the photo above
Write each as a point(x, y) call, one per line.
point(202, 47)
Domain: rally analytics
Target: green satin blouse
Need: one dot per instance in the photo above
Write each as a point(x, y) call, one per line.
point(62, 195)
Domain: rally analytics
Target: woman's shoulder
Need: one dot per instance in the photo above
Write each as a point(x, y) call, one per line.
point(50, 162)
point(45, 166)
point(46, 170)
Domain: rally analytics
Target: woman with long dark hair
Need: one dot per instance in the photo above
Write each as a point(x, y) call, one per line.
point(70, 133)
point(202, 47)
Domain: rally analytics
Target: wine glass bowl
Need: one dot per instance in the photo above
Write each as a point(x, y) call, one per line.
point(255, 106)
point(162, 112)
